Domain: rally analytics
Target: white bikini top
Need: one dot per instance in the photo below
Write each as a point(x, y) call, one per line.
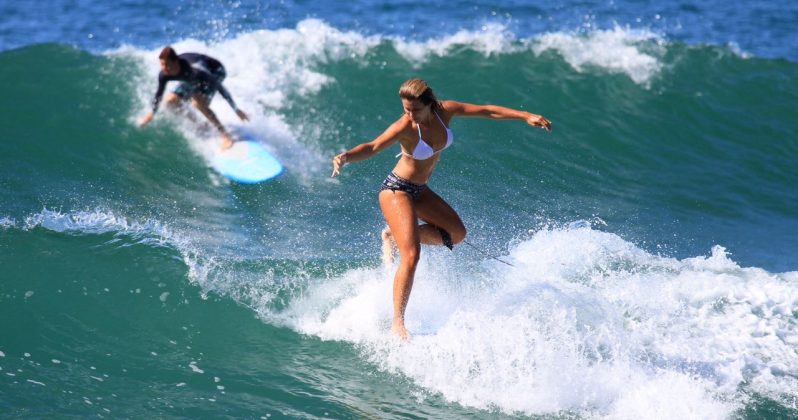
point(423, 150)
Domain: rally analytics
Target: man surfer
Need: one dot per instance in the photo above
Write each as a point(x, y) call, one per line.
point(200, 76)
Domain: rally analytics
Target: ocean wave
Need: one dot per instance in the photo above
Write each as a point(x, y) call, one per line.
point(584, 321)
point(269, 69)
point(96, 222)
point(265, 68)
point(148, 232)
point(631, 52)
point(635, 53)
point(491, 39)
point(249, 282)
point(269, 66)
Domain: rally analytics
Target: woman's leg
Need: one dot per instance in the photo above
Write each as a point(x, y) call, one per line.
point(388, 246)
point(398, 209)
point(438, 214)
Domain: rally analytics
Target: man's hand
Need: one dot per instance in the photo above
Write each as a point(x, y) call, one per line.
point(145, 119)
point(243, 115)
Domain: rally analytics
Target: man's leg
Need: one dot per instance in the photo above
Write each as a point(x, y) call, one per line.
point(202, 102)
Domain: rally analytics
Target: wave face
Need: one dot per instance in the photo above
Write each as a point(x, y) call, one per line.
point(652, 266)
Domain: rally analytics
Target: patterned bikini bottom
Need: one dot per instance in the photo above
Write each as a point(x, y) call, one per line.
point(396, 183)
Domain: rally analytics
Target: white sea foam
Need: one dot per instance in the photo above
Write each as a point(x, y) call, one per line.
point(489, 40)
point(634, 53)
point(194, 368)
point(584, 322)
point(264, 69)
point(101, 221)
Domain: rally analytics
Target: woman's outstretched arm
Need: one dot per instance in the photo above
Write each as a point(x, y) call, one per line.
point(495, 112)
point(366, 150)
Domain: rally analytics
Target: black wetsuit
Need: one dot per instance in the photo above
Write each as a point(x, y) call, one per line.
point(199, 74)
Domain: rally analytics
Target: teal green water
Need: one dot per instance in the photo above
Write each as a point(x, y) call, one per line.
point(136, 282)
point(117, 331)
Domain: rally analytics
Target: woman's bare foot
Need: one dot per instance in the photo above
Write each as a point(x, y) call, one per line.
point(388, 247)
point(398, 328)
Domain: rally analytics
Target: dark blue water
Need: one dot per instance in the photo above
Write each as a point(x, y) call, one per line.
point(762, 28)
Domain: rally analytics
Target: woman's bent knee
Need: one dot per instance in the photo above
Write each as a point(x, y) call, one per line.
point(410, 255)
point(457, 234)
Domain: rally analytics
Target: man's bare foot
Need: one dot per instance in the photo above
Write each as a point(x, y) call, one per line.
point(398, 328)
point(388, 247)
point(227, 142)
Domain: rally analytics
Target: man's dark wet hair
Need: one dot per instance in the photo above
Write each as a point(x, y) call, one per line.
point(168, 54)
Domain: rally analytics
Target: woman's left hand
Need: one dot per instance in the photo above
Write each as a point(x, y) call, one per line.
point(338, 163)
point(539, 121)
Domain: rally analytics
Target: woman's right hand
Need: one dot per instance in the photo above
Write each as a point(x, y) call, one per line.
point(338, 162)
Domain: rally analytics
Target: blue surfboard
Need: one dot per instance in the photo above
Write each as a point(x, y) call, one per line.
point(247, 162)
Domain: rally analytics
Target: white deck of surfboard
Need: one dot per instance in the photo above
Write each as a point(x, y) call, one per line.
point(247, 161)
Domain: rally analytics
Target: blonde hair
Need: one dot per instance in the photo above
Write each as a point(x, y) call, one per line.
point(419, 90)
